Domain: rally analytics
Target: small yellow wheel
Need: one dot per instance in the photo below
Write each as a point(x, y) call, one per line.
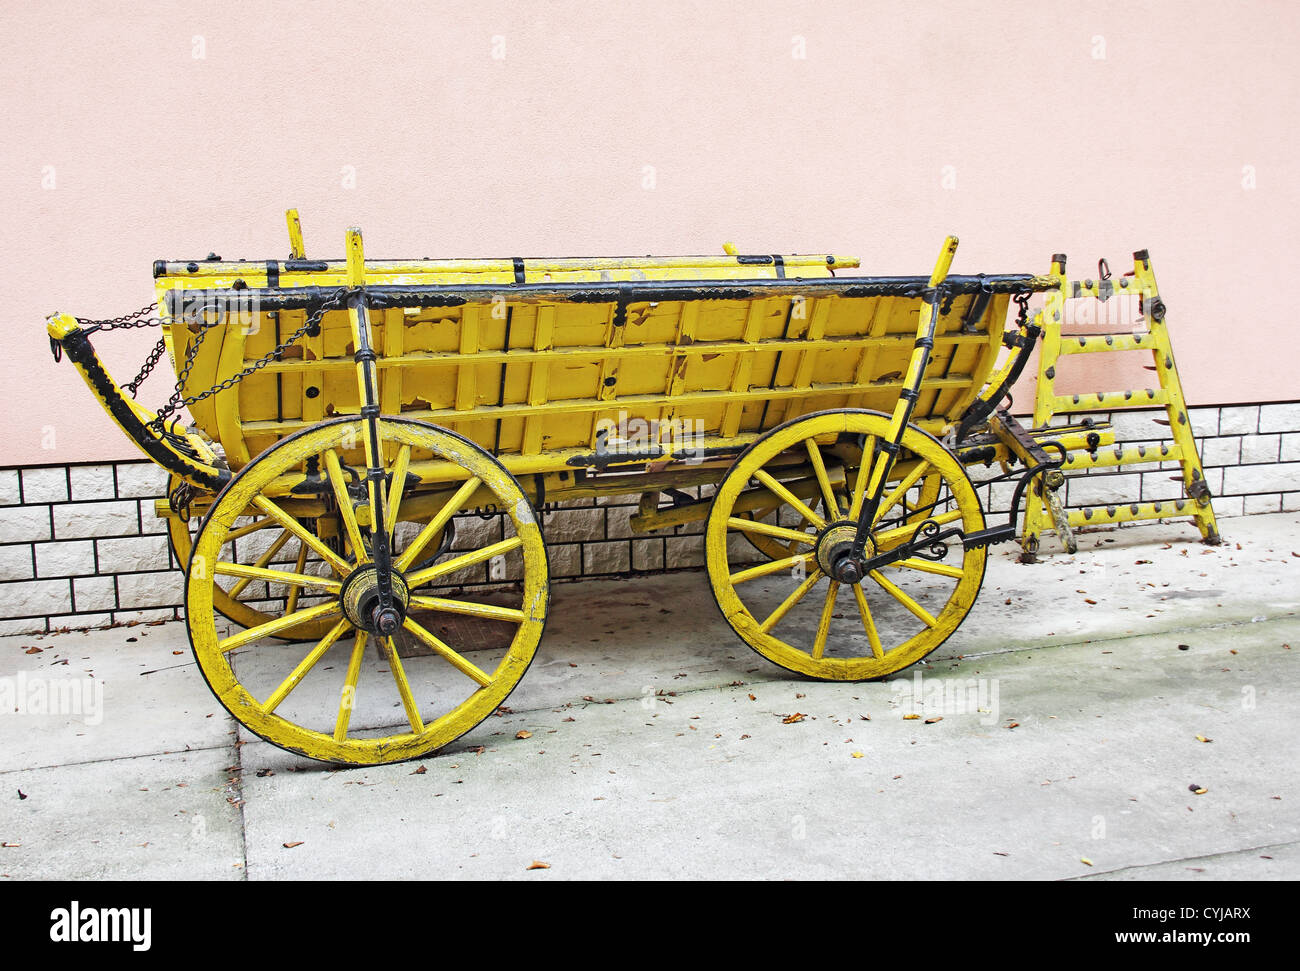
point(786, 609)
point(471, 618)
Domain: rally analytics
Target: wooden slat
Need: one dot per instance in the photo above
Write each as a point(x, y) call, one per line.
point(743, 371)
point(390, 379)
point(817, 316)
point(466, 384)
point(538, 378)
point(675, 382)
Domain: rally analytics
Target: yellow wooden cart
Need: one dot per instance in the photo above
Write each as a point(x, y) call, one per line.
point(347, 414)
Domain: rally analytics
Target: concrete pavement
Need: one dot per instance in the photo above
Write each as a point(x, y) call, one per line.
point(1081, 764)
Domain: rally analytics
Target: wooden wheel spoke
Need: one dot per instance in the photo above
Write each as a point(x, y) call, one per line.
point(348, 696)
point(887, 539)
point(916, 609)
point(395, 493)
point(340, 565)
point(899, 491)
point(278, 625)
point(421, 577)
point(824, 625)
point(488, 611)
point(435, 525)
point(462, 665)
point(823, 479)
point(929, 566)
point(306, 664)
point(779, 490)
point(864, 473)
point(775, 616)
point(299, 566)
point(868, 624)
point(767, 529)
point(242, 531)
point(403, 685)
point(344, 501)
point(261, 561)
point(250, 573)
point(773, 566)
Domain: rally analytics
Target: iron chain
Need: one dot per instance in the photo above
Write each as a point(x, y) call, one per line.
point(177, 399)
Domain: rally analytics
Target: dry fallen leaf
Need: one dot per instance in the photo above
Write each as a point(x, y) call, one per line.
point(1085, 860)
point(1014, 725)
point(857, 755)
point(908, 718)
point(523, 734)
point(798, 716)
point(289, 846)
point(1202, 738)
point(1200, 790)
point(752, 698)
point(538, 865)
point(936, 718)
point(421, 770)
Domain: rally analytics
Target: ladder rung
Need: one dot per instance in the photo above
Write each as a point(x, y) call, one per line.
point(1096, 515)
point(1145, 398)
point(1133, 455)
point(1106, 342)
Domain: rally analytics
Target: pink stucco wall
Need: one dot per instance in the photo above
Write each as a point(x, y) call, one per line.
point(146, 130)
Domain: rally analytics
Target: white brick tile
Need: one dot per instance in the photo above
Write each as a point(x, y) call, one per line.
point(1239, 420)
point(137, 480)
point(28, 626)
point(648, 554)
point(81, 519)
point(573, 525)
point(94, 593)
point(565, 561)
point(16, 562)
point(68, 559)
point(1291, 502)
point(1260, 448)
point(137, 591)
point(1257, 479)
point(20, 524)
point(134, 554)
point(143, 616)
point(612, 557)
point(9, 495)
point(1221, 451)
point(35, 598)
point(45, 485)
point(150, 522)
point(1291, 447)
point(1099, 490)
point(80, 621)
point(91, 482)
point(682, 551)
point(1263, 504)
point(1226, 507)
point(1280, 418)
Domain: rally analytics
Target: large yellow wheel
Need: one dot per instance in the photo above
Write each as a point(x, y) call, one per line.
point(789, 609)
point(471, 618)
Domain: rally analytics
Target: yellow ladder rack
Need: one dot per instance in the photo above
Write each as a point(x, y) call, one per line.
point(1196, 502)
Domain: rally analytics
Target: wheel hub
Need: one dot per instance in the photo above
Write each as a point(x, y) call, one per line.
point(834, 545)
point(359, 598)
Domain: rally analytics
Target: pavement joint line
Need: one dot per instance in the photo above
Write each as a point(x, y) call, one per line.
point(1107, 639)
point(238, 783)
point(1176, 860)
point(115, 758)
